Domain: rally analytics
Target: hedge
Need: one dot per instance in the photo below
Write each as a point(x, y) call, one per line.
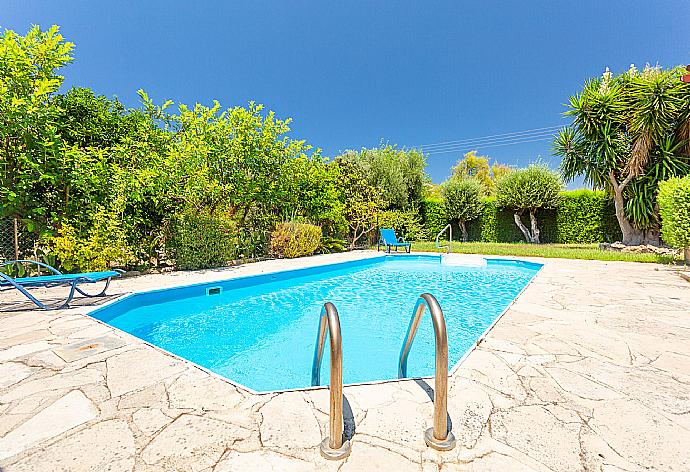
point(581, 216)
point(674, 207)
point(433, 216)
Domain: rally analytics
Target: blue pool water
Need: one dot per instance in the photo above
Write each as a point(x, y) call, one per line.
point(260, 331)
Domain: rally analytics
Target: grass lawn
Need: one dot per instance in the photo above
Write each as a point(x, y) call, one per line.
point(566, 251)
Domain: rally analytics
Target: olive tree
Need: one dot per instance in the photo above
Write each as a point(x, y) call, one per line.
point(397, 173)
point(674, 207)
point(462, 200)
point(528, 190)
point(629, 132)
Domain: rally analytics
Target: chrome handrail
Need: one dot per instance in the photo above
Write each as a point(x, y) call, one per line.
point(450, 238)
point(333, 447)
point(439, 437)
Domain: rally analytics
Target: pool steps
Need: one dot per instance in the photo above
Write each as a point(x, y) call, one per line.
point(463, 260)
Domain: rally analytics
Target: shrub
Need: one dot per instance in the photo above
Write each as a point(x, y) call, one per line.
point(330, 245)
point(407, 224)
point(462, 200)
point(103, 246)
point(290, 240)
point(674, 208)
point(199, 240)
point(535, 187)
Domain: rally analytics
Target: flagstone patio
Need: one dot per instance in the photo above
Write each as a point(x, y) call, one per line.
point(588, 370)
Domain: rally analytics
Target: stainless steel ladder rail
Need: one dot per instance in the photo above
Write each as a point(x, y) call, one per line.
point(450, 238)
point(333, 447)
point(438, 437)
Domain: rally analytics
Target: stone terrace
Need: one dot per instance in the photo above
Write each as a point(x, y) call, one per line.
point(588, 370)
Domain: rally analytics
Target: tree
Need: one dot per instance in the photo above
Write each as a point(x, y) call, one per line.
point(472, 165)
point(629, 133)
point(88, 120)
point(397, 173)
point(362, 201)
point(30, 147)
point(529, 189)
point(499, 170)
point(462, 200)
point(674, 207)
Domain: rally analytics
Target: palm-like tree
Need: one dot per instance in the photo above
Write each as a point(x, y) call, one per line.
point(628, 133)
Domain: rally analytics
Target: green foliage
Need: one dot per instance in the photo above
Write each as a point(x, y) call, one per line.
point(580, 216)
point(674, 207)
point(462, 198)
point(397, 173)
point(629, 132)
point(312, 191)
point(66, 157)
point(526, 189)
point(291, 240)
point(472, 165)
point(87, 120)
point(200, 240)
point(30, 157)
point(330, 245)
point(434, 216)
point(407, 224)
point(361, 200)
point(494, 224)
point(585, 216)
point(100, 247)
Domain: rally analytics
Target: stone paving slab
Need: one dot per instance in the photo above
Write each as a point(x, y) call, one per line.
point(586, 371)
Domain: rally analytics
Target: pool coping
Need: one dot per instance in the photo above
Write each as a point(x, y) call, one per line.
point(365, 256)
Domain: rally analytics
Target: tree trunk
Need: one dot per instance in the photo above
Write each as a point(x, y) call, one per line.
point(686, 255)
point(463, 230)
point(533, 224)
point(523, 228)
point(631, 235)
point(652, 236)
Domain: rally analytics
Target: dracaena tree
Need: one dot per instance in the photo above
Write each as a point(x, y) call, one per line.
point(629, 132)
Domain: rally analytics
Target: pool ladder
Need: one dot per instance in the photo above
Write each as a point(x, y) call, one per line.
point(334, 447)
point(438, 437)
point(450, 238)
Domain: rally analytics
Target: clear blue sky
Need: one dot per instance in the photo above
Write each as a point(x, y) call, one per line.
point(353, 73)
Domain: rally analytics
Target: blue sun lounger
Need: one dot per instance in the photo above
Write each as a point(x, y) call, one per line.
point(57, 279)
point(389, 240)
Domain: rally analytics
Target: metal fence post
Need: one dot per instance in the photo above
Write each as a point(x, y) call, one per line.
point(16, 239)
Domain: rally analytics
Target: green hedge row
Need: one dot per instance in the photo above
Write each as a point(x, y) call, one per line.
point(582, 216)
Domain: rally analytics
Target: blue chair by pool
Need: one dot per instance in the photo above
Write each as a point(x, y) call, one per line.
point(389, 240)
point(23, 284)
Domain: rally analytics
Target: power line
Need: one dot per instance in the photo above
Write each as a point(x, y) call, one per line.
point(502, 135)
point(488, 142)
point(459, 149)
point(477, 142)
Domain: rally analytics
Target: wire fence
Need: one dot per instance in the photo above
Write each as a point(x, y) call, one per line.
point(15, 241)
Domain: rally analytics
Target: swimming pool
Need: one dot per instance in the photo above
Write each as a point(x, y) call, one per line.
point(260, 331)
